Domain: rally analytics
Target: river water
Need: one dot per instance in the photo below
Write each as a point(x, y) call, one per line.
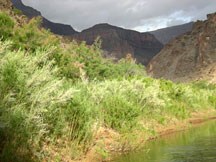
point(195, 145)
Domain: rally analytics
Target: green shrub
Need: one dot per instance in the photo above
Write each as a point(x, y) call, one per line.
point(30, 37)
point(80, 117)
point(17, 11)
point(6, 26)
point(119, 113)
point(31, 98)
point(82, 62)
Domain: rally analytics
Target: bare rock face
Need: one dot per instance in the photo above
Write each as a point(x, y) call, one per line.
point(167, 34)
point(56, 28)
point(118, 42)
point(191, 56)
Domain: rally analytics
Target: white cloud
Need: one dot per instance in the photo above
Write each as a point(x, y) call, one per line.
point(141, 15)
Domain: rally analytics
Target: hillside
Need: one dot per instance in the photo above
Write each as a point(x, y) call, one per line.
point(165, 35)
point(56, 28)
point(118, 42)
point(191, 56)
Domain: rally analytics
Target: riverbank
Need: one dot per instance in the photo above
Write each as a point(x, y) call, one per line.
point(194, 144)
point(109, 144)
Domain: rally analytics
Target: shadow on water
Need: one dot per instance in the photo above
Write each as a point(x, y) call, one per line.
point(195, 145)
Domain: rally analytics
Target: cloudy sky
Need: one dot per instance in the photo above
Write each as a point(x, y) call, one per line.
point(141, 15)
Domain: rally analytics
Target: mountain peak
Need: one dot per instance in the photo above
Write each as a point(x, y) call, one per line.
point(102, 26)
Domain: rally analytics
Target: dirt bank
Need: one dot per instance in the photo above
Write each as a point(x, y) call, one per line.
point(109, 143)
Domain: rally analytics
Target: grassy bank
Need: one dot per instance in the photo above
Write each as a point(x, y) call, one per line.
point(57, 99)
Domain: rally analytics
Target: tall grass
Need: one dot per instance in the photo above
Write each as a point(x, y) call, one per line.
point(31, 98)
point(123, 103)
point(6, 27)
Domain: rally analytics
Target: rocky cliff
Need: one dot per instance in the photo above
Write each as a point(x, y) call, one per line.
point(167, 34)
point(56, 28)
point(118, 42)
point(191, 56)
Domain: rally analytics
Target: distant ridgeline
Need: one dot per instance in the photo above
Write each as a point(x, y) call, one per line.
point(56, 28)
point(119, 42)
point(165, 35)
point(116, 42)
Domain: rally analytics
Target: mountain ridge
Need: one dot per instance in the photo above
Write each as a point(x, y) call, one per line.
point(116, 42)
point(56, 28)
point(167, 34)
point(191, 56)
point(119, 42)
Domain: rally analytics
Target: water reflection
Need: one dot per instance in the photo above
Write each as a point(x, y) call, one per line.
point(195, 145)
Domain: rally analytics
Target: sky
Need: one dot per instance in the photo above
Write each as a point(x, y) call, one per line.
point(140, 15)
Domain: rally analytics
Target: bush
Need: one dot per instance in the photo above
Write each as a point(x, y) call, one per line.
point(31, 99)
point(119, 113)
point(6, 26)
point(82, 62)
point(30, 37)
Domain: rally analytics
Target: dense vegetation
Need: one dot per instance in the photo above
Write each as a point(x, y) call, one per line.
point(55, 95)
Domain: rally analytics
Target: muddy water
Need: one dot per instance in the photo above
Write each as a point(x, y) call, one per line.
point(195, 145)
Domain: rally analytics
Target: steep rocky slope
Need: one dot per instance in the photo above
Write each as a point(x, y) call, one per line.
point(167, 34)
point(118, 42)
point(191, 56)
point(60, 29)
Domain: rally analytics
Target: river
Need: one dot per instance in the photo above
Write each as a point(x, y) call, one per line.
point(197, 144)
